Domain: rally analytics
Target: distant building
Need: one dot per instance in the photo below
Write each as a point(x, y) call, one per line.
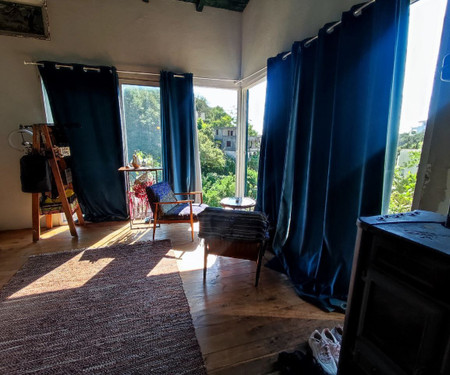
point(253, 144)
point(226, 138)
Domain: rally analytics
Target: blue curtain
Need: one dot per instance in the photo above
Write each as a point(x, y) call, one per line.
point(179, 132)
point(346, 106)
point(274, 137)
point(90, 99)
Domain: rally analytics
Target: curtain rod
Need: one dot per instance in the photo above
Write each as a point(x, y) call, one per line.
point(86, 68)
point(251, 75)
point(356, 13)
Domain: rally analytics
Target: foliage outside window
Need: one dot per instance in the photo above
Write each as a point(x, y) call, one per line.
point(142, 121)
point(218, 154)
point(405, 172)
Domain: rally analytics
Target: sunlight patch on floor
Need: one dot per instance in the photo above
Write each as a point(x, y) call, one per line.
point(77, 273)
point(164, 266)
point(54, 232)
point(118, 236)
point(192, 260)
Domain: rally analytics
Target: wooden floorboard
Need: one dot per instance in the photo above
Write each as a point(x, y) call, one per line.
point(241, 329)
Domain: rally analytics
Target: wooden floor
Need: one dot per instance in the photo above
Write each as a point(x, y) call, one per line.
point(240, 328)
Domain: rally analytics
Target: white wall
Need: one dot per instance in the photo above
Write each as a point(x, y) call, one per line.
point(129, 34)
point(270, 27)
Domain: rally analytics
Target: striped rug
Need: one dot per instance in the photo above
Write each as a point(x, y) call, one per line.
point(114, 310)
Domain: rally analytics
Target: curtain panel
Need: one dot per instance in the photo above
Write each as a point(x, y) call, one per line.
point(180, 154)
point(345, 106)
point(90, 99)
point(274, 137)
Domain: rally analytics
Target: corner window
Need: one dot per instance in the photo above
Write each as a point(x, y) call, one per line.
point(216, 114)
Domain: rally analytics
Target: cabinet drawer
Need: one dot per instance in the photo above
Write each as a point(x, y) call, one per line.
point(400, 331)
point(428, 270)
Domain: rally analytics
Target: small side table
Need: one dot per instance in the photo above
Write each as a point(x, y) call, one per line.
point(238, 203)
point(127, 171)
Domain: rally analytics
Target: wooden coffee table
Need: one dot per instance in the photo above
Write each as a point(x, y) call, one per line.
point(238, 203)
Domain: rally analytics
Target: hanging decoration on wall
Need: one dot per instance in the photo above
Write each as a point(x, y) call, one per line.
point(24, 20)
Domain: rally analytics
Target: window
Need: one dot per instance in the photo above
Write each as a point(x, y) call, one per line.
point(217, 113)
point(256, 104)
point(142, 124)
point(425, 29)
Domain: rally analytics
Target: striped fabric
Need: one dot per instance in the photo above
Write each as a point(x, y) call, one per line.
point(233, 224)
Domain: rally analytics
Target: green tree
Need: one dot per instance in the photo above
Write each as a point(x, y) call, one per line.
point(217, 187)
point(251, 131)
point(404, 184)
point(201, 106)
point(212, 158)
point(252, 182)
point(253, 161)
point(142, 120)
point(410, 141)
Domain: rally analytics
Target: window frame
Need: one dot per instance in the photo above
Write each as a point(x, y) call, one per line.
point(152, 80)
point(241, 178)
point(137, 79)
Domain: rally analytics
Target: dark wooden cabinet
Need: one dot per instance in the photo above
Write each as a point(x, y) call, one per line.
point(398, 316)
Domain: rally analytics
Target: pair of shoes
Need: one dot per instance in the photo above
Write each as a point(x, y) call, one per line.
point(331, 340)
point(322, 352)
point(337, 333)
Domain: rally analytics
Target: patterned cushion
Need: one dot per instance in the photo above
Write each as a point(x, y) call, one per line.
point(169, 197)
point(161, 192)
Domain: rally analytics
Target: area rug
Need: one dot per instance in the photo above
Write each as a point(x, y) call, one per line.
point(114, 310)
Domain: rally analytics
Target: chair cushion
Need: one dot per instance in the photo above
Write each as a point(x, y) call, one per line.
point(169, 197)
point(161, 192)
point(233, 224)
point(182, 212)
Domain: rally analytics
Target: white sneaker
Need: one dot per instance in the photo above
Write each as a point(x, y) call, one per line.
point(335, 346)
point(321, 352)
point(337, 333)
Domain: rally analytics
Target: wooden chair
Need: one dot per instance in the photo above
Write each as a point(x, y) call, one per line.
point(168, 210)
point(235, 234)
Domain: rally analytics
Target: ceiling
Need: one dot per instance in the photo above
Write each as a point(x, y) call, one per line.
point(235, 5)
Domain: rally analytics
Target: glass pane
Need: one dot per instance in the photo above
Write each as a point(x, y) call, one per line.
point(142, 128)
point(141, 107)
point(256, 104)
point(425, 29)
point(216, 123)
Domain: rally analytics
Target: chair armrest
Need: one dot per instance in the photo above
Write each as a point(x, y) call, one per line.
point(175, 202)
point(192, 193)
point(186, 201)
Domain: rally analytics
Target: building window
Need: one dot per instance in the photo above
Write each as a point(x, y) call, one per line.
point(228, 143)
